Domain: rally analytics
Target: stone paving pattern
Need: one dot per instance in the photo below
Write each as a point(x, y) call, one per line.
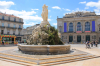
point(90, 62)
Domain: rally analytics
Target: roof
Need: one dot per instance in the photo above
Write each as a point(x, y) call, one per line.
point(8, 15)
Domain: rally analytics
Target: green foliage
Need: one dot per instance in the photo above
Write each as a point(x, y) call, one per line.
point(53, 36)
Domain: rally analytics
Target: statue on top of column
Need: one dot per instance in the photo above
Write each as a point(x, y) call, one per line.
point(45, 13)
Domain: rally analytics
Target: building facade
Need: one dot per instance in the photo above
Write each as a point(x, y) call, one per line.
point(28, 31)
point(79, 27)
point(11, 27)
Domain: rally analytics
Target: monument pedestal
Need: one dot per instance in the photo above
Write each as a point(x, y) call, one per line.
point(43, 23)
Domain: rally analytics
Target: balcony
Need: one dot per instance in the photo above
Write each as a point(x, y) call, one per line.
point(19, 28)
point(2, 26)
point(12, 27)
point(13, 21)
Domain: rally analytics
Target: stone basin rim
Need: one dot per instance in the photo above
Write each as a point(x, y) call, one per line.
point(42, 45)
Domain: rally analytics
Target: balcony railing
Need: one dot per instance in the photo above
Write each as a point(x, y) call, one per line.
point(2, 26)
point(13, 21)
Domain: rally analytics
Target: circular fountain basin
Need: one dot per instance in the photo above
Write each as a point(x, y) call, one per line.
point(44, 49)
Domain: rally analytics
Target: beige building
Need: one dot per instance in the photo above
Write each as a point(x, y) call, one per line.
point(28, 31)
point(79, 27)
point(11, 25)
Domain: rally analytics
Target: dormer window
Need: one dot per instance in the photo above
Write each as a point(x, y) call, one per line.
point(19, 20)
point(9, 18)
point(14, 19)
point(2, 17)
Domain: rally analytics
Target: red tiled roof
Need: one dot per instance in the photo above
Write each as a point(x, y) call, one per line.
point(8, 15)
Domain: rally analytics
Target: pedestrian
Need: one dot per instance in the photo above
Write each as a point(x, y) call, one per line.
point(96, 43)
point(68, 42)
point(89, 45)
point(86, 44)
point(92, 44)
point(3, 42)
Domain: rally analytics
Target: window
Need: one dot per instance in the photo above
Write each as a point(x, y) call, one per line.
point(8, 25)
point(70, 27)
point(14, 19)
point(62, 37)
point(14, 26)
point(2, 31)
point(60, 30)
point(8, 32)
point(3, 17)
point(19, 26)
point(13, 32)
point(2, 24)
point(78, 26)
point(87, 26)
point(9, 18)
point(19, 33)
point(19, 20)
point(92, 37)
point(99, 28)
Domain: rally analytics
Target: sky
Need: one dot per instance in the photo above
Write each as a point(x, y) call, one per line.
point(30, 10)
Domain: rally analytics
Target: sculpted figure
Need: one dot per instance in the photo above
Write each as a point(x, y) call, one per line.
point(45, 13)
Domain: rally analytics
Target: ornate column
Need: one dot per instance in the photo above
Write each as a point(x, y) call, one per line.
point(83, 26)
point(75, 26)
point(90, 25)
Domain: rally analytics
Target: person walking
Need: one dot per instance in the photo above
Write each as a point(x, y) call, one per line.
point(92, 44)
point(3, 42)
point(86, 44)
point(89, 44)
point(96, 43)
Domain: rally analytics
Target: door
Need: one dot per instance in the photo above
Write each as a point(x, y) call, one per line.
point(70, 38)
point(87, 37)
point(79, 38)
point(12, 40)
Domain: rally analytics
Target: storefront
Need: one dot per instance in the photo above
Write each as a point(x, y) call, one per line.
point(8, 39)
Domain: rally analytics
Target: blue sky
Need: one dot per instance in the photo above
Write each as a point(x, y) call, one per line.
point(30, 10)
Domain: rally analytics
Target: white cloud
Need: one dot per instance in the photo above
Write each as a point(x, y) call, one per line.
point(30, 17)
point(82, 2)
point(94, 4)
point(86, 7)
point(6, 4)
point(66, 9)
point(77, 9)
point(30, 24)
point(97, 10)
point(54, 23)
point(56, 7)
point(34, 9)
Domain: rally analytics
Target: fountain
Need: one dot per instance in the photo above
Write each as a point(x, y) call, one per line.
point(45, 39)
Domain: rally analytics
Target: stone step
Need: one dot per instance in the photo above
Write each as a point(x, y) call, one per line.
point(19, 56)
point(42, 58)
point(18, 60)
point(68, 61)
point(61, 56)
point(60, 60)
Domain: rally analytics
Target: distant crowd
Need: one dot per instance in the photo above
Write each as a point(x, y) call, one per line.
point(91, 44)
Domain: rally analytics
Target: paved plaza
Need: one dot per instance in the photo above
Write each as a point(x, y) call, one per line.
point(89, 62)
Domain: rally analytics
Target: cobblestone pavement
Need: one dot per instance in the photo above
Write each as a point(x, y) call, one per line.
point(90, 62)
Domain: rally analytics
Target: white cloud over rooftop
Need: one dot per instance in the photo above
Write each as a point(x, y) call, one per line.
point(56, 7)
